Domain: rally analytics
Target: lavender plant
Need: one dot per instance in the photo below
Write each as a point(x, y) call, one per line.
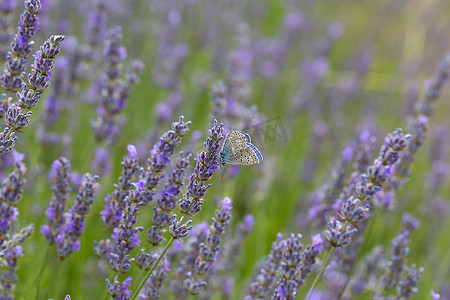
point(10, 249)
point(18, 114)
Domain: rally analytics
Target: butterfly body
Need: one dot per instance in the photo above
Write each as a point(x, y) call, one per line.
point(238, 150)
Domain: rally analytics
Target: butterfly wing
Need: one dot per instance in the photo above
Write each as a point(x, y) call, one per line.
point(245, 135)
point(237, 150)
point(232, 148)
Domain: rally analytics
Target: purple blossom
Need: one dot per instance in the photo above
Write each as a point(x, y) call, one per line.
point(11, 79)
point(249, 221)
point(227, 204)
point(61, 189)
point(317, 242)
point(71, 231)
point(206, 166)
point(17, 116)
point(262, 284)
point(435, 295)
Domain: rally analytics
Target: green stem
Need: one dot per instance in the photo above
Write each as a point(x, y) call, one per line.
point(141, 284)
point(39, 274)
point(325, 263)
point(55, 273)
point(153, 267)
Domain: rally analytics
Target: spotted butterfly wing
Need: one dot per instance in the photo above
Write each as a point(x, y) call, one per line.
point(237, 150)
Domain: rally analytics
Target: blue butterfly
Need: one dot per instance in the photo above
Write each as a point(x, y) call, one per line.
point(237, 150)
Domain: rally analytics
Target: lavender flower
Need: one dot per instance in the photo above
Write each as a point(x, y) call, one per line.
point(295, 266)
point(434, 295)
point(263, 282)
point(57, 206)
point(10, 194)
point(167, 201)
point(418, 125)
point(95, 27)
point(355, 210)
point(154, 282)
point(119, 290)
point(240, 66)
point(219, 98)
point(11, 79)
point(11, 254)
point(186, 263)
point(115, 201)
point(114, 91)
point(126, 238)
point(210, 248)
point(38, 81)
point(6, 32)
point(207, 165)
point(365, 275)
point(289, 268)
point(327, 194)
point(408, 285)
point(69, 235)
point(220, 277)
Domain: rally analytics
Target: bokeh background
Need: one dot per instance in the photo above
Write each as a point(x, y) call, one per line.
point(311, 75)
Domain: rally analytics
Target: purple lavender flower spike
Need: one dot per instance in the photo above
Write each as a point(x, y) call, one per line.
point(10, 194)
point(69, 234)
point(11, 79)
point(208, 250)
point(38, 80)
point(219, 98)
point(356, 210)
point(408, 285)
point(6, 10)
point(95, 27)
point(61, 189)
point(154, 282)
point(207, 165)
point(119, 290)
point(366, 274)
point(295, 266)
point(329, 192)
point(435, 296)
point(115, 201)
point(114, 90)
point(167, 201)
point(240, 66)
point(262, 284)
point(160, 155)
point(418, 124)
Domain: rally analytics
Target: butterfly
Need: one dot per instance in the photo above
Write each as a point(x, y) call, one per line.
point(238, 150)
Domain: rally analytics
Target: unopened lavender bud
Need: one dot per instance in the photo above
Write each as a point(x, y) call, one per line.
point(193, 287)
point(353, 212)
point(146, 260)
point(179, 230)
point(337, 235)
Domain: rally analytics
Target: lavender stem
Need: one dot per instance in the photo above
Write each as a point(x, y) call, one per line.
point(39, 274)
point(141, 284)
point(325, 263)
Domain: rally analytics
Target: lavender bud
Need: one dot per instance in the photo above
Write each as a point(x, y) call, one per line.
point(178, 230)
